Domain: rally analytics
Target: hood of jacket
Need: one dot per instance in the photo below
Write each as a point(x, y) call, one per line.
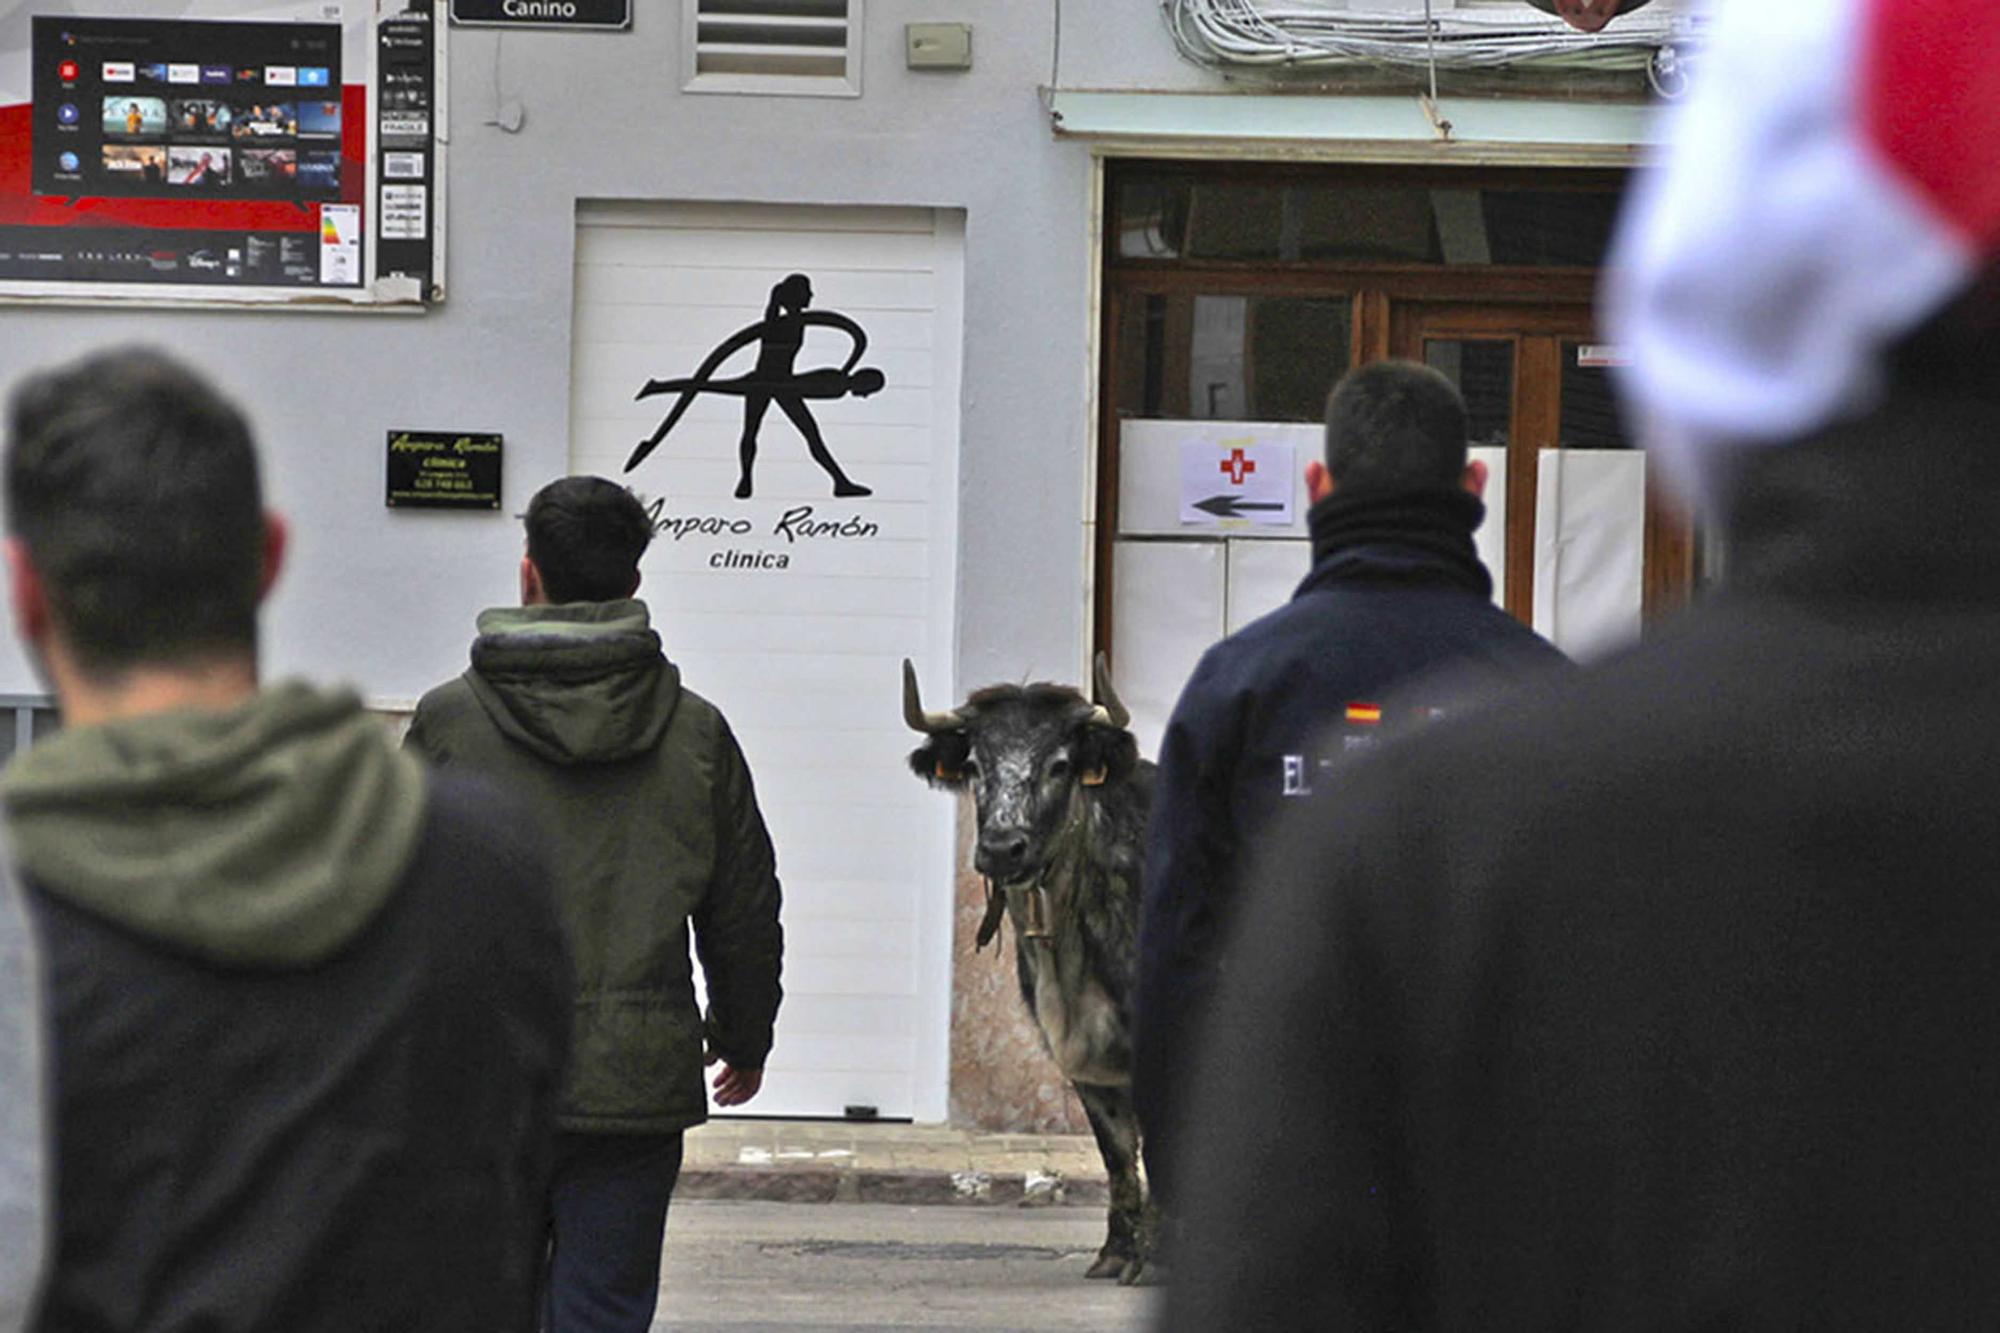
point(268, 835)
point(1401, 537)
point(580, 683)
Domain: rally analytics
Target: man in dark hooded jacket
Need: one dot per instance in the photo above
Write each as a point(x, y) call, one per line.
point(306, 1005)
point(1668, 1002)
point(641, 789)
point(1394, 625)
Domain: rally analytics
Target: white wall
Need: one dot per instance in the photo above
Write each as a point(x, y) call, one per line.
point(389, 598)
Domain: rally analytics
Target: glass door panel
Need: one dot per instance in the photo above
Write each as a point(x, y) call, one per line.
point(1223, 356)
point(1483, 370)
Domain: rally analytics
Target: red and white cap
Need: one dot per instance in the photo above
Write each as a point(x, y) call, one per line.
point(1831, 181)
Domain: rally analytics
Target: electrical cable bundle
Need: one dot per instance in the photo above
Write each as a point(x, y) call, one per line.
point(1262, 35)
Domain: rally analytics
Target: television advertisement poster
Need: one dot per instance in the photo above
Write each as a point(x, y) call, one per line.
point(221, 152)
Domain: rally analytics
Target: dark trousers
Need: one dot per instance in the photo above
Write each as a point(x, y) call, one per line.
point(607, 1220)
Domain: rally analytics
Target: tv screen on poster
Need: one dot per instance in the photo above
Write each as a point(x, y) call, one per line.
point(171, 149)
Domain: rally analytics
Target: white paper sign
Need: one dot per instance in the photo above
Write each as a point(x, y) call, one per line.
point(1236, 479)
point(339, 244)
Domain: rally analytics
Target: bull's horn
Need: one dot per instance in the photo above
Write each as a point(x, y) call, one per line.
point(913, 708)
point(1110, 711)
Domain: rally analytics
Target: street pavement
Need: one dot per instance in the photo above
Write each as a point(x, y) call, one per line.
point(819, 1161)
point(838, 1267)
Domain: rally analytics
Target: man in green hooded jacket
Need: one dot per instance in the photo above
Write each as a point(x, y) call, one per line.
point(306, 1004)
point(641, 789)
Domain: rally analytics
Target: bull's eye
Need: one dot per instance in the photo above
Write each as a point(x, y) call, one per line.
point(1059, 767)
point(970, 767)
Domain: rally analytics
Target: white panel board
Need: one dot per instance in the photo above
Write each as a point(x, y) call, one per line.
point(1590, 547)
point(1263, 575)
point(1167, 608)
point(792, 608)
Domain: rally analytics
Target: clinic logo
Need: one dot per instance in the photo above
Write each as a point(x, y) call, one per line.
point(776, 380)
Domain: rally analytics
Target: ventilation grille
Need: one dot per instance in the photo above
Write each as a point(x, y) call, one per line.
point(775, 39)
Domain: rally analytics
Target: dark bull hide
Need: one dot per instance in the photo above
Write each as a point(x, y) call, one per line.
point(1062, 796)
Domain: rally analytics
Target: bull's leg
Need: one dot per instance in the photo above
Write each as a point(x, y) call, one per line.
point(1117, 1131)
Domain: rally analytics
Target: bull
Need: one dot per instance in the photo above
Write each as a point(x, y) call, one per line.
point(1061, 798)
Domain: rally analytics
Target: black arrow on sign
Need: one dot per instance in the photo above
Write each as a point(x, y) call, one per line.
point(1228, 506)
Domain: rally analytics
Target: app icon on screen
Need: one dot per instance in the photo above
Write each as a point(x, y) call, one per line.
point(319, 117)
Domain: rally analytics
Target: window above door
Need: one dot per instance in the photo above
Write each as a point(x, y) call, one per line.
point(1178, 215)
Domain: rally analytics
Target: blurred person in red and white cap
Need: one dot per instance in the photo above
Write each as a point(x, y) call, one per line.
point(1666, 1000)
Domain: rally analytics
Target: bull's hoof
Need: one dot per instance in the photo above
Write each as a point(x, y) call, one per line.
point(1110, 1265)
point(1143, 1273)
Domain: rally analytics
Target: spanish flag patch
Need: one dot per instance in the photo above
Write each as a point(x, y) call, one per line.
point(1368, 714)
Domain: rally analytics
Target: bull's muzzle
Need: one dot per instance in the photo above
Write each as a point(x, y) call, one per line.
point(1002, 854)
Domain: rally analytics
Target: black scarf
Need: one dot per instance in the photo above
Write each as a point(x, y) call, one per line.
point(1420, 536)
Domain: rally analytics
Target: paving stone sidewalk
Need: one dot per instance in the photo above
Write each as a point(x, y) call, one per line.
point(814, 1161)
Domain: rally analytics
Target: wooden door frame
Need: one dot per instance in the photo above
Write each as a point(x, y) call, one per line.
point(1538, 333)
point(1535, 411)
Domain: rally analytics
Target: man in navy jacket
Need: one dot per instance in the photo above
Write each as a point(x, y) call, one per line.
point(1394, 624)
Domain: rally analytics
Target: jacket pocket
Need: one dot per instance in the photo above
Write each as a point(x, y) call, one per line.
point(635, 1058)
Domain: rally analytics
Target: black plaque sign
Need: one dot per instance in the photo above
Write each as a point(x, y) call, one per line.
point(431, 469)
point(544, 13)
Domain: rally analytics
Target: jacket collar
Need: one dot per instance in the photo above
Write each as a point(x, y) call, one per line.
point(1901, 505)
point(1398, 537)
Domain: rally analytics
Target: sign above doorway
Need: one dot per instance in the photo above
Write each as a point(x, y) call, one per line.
point(610, 14)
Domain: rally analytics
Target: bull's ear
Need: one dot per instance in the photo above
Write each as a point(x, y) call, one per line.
point(941, 760)
point(1104, 755)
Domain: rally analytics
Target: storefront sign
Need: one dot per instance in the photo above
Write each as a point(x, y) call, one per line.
point(443, 470)
point(543, 13)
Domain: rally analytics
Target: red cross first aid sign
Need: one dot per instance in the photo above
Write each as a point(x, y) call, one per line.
point(1232, 482)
